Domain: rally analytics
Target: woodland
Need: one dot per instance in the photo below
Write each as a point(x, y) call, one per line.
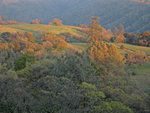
point(46, 72)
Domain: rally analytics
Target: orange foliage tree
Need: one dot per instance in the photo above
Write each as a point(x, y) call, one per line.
point(95, 30)
point(56, 22)
point(53, 41)
point(36, 21)
point(26, 43)
point(119, 34)
point(119, 39)
point(12, 22)
point(138, 57)
point(101, 51)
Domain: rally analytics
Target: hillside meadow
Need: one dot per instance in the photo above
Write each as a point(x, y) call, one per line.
point(75, 31)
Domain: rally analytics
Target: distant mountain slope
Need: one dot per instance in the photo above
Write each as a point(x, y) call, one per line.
point(142, 1)
point(134, 16)
point(6, 2)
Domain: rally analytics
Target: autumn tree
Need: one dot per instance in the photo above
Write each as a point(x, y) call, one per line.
point(104, 53)
point(12, 22)
point(118, 35)
point(138, 57)
point(130, 38)
point(142, 39)
point(119, 39)
point(36, 21)
point(115, 58)
point(101, 51)
point(30, 36)
point(95, 31)
point(56, 22)
point(119, 31)
point(107, 35)
point(53, 41)
point(116, 32)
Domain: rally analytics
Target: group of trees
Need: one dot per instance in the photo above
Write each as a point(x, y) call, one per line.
point(107, 35)
point(118, 35)
point(2, 22)
point(137, 57)
point(26, 43)
point(141, 39)
point(36, 21)
point(101, 51)
point(55, 21)
point(69, 83)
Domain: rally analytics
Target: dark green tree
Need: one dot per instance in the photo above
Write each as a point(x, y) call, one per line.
point(23, 61)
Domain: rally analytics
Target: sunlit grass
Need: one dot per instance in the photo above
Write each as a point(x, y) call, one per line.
point(8, 29)
point(135, 48)
point(74, 31)
point(82, 46)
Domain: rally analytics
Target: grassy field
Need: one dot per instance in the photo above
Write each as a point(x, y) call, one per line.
point(128, 48)
point(8, 29)
point(81, 46)
point(142, 77)
point(37, 28)
point(134, 48)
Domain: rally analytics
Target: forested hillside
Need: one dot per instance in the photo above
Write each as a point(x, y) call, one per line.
point(66, 69)
point(74, 56)
point(134, 16)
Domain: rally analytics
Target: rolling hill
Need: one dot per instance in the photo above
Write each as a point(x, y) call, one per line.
point(72, 30)
point(134, 15)
point(72, 33)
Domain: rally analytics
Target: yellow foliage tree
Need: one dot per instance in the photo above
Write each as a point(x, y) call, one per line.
point(120, 39)
point(95, 30)
point(101, 51)
point(138, 57)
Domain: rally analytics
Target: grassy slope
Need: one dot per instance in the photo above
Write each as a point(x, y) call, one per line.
point(134, 48)
point(128, 47)
point(81, 46)
point(36, 29)
point(8, 29)
point(142, 77)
